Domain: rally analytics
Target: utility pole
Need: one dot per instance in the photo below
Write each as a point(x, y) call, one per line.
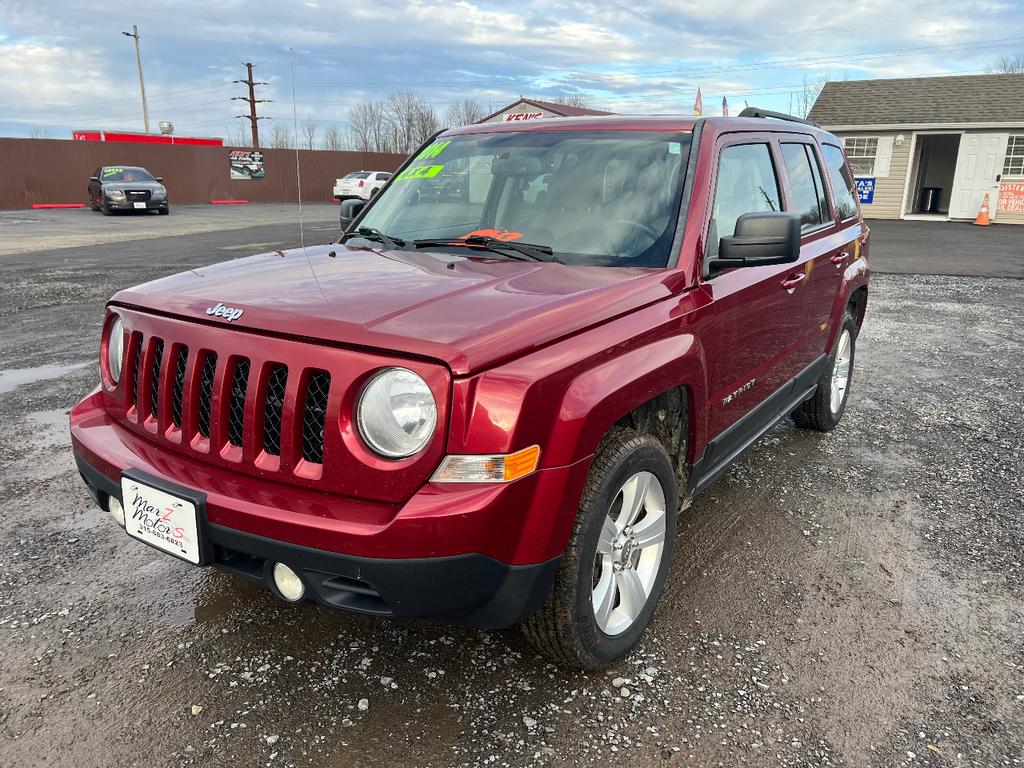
point(252, 117)
point(142, 84)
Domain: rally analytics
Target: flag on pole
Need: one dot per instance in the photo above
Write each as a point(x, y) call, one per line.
point(725, 107)
point(698, 104)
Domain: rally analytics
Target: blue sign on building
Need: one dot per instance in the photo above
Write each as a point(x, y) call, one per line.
point(866, 190)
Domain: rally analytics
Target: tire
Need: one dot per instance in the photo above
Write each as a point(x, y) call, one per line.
point(373, 193)
point(819, 412)
point(106, 210)
point(566, 628)
point(164, 211)
point(92, 204)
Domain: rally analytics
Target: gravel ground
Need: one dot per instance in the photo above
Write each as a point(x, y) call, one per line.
point(851, 599)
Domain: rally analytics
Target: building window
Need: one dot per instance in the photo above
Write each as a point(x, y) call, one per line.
point(1014, 165)
point(861, 152)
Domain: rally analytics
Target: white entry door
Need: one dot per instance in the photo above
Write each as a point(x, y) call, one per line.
point(978, 167)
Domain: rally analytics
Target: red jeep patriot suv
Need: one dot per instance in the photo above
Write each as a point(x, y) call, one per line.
point(489, 401)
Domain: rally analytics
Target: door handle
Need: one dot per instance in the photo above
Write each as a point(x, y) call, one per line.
point(791, 282)
point(839, 258)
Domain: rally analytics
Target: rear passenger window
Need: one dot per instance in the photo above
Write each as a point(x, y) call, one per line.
point(746, 183)
point(808, 189)
point(843, 184)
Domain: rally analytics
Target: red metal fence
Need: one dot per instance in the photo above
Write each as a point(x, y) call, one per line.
point(34, 171)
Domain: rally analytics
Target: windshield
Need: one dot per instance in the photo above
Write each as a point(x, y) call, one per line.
point(596, 198)
point(126, 174)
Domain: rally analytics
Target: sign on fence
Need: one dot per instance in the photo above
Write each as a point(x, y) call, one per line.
point(246, 164)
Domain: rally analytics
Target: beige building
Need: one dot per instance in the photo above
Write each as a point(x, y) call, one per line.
point(932, 147)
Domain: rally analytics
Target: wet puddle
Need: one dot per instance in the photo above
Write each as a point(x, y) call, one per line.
point(13, 378)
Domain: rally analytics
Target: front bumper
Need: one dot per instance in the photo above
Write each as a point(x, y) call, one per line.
point(483, 556)
point(129, 205)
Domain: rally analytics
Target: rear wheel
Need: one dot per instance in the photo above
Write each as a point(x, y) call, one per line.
point(615, 566)
point(824, 410)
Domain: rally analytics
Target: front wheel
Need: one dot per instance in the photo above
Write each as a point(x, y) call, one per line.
point(614, 568)
point(824, 410)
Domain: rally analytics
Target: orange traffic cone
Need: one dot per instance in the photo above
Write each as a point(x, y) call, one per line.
point(982, 220)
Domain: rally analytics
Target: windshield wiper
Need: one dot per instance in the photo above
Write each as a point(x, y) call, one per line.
point(369, 233)
point(508, 247)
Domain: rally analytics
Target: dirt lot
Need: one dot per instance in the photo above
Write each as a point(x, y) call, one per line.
point(853, 599)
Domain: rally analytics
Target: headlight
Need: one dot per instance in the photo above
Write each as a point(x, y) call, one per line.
point(160, 193)
point(396, 413)
point(115, 349)
point(114, 194)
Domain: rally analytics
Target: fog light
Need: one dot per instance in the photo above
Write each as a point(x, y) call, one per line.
point(116, 510)
point(288, 583)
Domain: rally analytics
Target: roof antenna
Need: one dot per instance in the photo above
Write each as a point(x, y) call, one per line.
point(298, 172)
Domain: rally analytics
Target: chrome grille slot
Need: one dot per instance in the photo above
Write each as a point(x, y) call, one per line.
point(236, 402)
point(273, 409)
point(206, 392)
point(178, 391)
point(314, 416)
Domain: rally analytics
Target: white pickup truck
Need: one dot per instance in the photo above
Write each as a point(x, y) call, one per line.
point(362, 184)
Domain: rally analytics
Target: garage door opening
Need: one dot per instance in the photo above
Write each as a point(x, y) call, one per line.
point(933, 169)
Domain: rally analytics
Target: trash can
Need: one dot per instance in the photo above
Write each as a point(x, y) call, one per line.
point(929, 202)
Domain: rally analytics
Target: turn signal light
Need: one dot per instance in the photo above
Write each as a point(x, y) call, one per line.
point(500, 468)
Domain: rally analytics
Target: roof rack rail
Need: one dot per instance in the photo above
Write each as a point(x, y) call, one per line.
point(758, 112)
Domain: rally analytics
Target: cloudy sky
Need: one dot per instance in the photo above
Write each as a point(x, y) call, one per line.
point(65, 65)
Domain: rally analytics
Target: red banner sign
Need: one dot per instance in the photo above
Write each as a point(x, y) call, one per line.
point(1011, 197)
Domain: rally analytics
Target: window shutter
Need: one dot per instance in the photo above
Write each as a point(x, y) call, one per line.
point(883, 156)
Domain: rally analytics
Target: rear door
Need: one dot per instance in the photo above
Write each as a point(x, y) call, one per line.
point(822, 252)
point(756, 310)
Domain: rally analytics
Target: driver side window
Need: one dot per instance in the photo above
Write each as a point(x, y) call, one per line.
point(746, 183)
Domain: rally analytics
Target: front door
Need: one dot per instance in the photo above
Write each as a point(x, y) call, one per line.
point(756, 312)
point(978, 168)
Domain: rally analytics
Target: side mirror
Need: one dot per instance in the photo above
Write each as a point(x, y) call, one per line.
point(350, 209)
point(760, 239)
point(94, 178)
point(160, 179)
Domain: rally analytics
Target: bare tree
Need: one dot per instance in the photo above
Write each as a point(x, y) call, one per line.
point(239, 136)
point(573, 100)
point(806, 97)
point(465, 112)
point(309, 129)
point(366, 127)
point(399, 124)
point(37, 133)
point(280, 136)
point(1009, 65)
point(333, 140)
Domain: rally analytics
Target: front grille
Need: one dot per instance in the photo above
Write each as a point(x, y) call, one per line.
point(206, 392)
point(315, 415)
point(273, 409)
point(154, 382)
point(179, 385)
point(137, 195)
point(236, 403)
point(222, 398)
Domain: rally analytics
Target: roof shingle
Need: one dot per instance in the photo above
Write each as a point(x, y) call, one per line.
point(921, 100)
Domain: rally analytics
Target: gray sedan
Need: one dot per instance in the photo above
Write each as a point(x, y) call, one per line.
point(127, 188)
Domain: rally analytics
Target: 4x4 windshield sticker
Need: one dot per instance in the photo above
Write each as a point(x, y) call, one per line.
point(419, 172)
point(112, 171)
point(433, 150)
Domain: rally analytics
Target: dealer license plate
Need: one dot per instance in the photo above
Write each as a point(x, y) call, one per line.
point(139, 205)
point(167, 522)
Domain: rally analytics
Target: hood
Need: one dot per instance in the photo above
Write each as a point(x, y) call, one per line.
point(467, 312)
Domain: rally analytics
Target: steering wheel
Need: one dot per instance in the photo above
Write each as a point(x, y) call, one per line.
point(636, 225)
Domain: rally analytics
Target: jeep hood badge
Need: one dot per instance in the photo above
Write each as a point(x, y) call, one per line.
point(228, 313)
